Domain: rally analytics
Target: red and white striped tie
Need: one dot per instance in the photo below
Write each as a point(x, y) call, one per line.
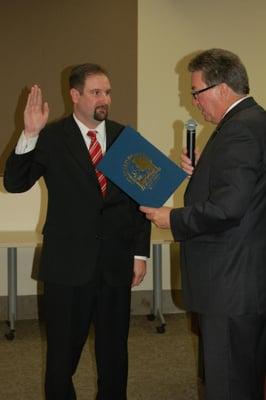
point(96, 155)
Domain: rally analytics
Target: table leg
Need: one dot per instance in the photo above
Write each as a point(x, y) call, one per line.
point(157, 287)
point(12, 290)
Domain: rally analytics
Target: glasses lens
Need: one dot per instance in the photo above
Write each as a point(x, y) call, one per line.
point(196, 92)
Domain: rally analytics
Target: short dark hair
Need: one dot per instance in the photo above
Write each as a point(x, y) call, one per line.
point(80, 72)
point(218, 66)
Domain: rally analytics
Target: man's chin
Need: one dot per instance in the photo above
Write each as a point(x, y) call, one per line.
point(100, 116)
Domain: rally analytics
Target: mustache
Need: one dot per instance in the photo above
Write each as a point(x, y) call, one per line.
point(102, 107)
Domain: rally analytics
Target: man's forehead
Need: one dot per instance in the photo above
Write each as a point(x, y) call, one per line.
point(93, 81)
point(197, 78)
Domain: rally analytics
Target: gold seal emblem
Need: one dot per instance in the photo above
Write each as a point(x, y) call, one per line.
point(141, 171)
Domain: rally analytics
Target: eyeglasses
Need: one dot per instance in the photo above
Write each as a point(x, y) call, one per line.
point(195, 93)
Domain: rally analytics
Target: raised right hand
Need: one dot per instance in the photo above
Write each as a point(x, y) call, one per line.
point(36, 113)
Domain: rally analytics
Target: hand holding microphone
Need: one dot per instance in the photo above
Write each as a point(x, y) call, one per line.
point(189, 155)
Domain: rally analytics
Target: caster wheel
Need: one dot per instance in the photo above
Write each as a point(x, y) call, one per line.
point(10, 335)
point(160, 329)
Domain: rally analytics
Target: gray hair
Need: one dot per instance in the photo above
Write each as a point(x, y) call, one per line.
point(221, 66)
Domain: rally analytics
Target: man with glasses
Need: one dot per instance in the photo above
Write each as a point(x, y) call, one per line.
point(222, 229)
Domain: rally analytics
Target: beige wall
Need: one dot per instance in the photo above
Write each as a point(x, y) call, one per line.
point(169, 31)
point(23, 211)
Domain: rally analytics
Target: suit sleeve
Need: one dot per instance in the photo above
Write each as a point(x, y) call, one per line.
point(23, 170)
point(142, 235)
point(235, 167)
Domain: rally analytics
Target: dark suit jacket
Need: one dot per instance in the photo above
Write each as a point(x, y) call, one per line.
point(82, 231)
point(222, 227)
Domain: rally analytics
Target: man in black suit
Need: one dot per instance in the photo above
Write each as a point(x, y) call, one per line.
point(96, 241)
point(222, 229)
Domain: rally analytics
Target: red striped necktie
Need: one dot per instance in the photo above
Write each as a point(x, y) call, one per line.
point(96, 155)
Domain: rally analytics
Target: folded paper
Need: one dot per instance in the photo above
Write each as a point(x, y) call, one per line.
point(140, 169)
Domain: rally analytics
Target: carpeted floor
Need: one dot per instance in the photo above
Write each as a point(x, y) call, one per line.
point(161, 366)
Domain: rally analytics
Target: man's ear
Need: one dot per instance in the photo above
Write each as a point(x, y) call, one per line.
point(224, 89)
point(74, 93)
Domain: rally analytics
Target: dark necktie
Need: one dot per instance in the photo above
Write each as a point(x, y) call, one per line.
point(96, 155)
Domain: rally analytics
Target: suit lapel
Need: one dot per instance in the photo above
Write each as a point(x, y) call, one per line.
point(203, 155)
point(77, 147)
point(111, 135)
point(244, 104)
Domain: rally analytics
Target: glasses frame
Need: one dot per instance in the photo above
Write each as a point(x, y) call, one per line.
point(195, 93)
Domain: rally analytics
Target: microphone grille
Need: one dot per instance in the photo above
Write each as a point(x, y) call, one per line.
point(191, 125)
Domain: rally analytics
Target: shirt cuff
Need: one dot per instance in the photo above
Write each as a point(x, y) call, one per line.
point(25, 145)
point(140, 258)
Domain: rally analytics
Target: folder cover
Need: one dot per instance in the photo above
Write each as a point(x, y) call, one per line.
point(140, 169)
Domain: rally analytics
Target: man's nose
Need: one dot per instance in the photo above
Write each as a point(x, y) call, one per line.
point(106, 98)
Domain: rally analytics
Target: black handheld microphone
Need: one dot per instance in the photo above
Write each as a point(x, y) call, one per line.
point(191, 139)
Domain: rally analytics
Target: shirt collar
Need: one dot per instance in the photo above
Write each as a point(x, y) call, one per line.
point(84, 129)
point(235, 104)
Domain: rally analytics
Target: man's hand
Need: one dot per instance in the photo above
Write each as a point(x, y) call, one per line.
point(159, 216)
point(139, 271)
point(36, 113)
point(186, 162)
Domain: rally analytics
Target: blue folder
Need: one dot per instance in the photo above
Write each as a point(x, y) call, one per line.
point(140, 169)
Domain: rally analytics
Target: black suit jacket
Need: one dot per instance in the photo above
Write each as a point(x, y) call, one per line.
point(83, 232)
point(222, 227)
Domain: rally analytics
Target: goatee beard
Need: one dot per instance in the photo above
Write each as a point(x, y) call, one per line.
point(101, 113)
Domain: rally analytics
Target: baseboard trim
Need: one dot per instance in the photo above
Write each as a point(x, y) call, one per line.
point(142, 302)
point(30, 306)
